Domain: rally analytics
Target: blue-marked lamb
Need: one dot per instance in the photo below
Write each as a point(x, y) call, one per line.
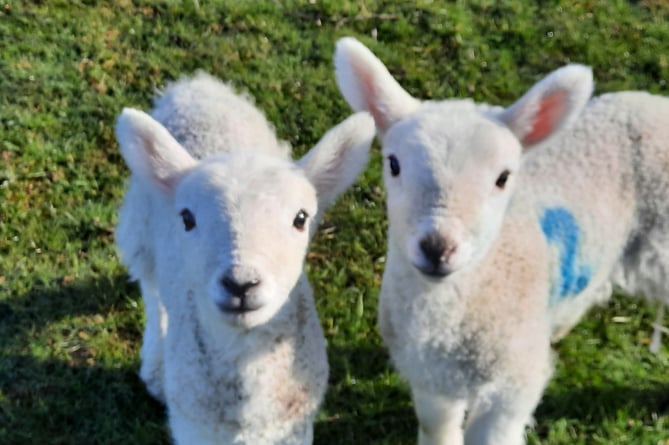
point(505, 226)
point(215, 227)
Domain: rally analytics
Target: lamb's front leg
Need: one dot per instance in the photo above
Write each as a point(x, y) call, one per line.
point(440, 418)
point(501, 419)
point(151, 371)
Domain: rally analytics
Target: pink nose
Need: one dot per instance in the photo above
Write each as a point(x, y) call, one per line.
point(437, 251)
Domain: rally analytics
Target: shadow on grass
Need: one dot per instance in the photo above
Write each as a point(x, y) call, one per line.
point(52, 402)
point(59, 401)
point(362, 405)
point(361, 361)
point(592, 405)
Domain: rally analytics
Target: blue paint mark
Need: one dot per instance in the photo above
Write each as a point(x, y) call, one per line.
point(561, 229)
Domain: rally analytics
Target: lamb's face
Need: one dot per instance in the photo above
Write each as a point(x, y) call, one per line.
point(240, 221)
point(243, 224)
point(449, 172)
point(450, 165)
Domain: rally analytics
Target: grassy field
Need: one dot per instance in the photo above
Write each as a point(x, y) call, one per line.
point(70, 323)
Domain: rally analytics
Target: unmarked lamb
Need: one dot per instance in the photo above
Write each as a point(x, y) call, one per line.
point(215, 226)
point(505, 226)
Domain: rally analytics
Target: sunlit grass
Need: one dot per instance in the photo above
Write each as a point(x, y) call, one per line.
point(70, 323)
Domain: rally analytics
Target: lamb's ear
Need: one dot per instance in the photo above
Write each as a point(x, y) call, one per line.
point(150, 150)
point(551, 104)
point(366, 84)
point(339, 157)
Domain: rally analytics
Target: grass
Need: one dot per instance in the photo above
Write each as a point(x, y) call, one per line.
point(70, 323)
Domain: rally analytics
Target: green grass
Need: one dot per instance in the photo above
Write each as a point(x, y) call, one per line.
point(70, 323)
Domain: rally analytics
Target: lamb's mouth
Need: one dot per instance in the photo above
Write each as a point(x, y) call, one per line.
point(434, 272)
point(237, 305)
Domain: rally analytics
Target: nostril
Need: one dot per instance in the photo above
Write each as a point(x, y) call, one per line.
point(230, 285)
point(238, 288)
point(250, 284)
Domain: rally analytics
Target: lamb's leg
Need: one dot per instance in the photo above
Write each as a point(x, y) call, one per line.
point(502, 418)
point(440, 419)
point(658, 329)
point(309, 436)
point(151, 371)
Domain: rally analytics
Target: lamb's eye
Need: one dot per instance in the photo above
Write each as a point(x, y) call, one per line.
point(501, 181)
point(188, 219)
point(300, 220)
point(394, 165)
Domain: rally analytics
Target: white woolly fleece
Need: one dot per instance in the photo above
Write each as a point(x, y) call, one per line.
point(505, 226)
point(215, 226)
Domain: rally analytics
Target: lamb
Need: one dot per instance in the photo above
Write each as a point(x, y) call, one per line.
point(505, 226)
point(215, 227)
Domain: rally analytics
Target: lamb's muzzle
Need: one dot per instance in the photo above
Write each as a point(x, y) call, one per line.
point(437, 251)
point(240, 297)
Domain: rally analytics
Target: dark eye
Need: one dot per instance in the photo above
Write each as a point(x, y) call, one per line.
point(300, 220)
point(394, 165)
point(188, 219)
point(503, 177)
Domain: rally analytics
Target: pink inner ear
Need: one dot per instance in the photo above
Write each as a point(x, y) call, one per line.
point(370, 95)
point(551, 111)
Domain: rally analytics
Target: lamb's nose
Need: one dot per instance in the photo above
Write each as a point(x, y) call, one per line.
point(436, 251)
point(238, 288)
